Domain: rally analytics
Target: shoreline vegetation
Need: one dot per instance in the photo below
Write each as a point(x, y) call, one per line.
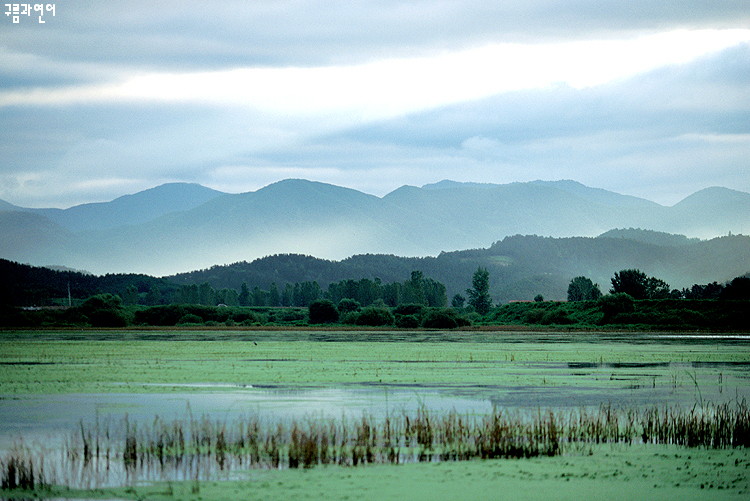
point(618, 312)
point(635, 301)
point(197, 449)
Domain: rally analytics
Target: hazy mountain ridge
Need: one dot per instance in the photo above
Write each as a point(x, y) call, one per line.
point(131, 209)
point(181, 226)
point(520, 267)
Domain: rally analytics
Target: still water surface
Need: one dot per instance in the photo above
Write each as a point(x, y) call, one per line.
point(557, 386)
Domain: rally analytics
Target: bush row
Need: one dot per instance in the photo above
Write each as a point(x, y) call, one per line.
point(407, 316)
point(622, 310)
point(615, 310)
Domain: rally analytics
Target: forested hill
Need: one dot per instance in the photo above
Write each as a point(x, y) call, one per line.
point(25, 285)
point(520, 266)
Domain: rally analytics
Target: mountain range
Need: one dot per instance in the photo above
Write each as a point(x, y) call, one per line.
point(176, 227)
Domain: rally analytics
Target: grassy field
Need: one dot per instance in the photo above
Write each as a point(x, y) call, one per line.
point(686, 370)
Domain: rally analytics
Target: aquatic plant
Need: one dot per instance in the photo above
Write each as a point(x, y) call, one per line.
point(197, 449)
point(21, 469)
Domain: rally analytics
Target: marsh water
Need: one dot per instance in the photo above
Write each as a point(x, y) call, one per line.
point(537, 385)
point(549, 372)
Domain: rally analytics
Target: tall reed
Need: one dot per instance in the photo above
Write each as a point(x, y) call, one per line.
point(197, 449)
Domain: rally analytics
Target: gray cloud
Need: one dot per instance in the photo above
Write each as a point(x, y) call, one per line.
point(190, 34)
point(659, 135)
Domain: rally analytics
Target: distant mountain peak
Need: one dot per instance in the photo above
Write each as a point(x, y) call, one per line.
point(305, 188)
point(713, 195)
point(171, 189)
point(448, 184)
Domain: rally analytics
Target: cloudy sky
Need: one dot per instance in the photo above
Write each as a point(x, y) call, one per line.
point(644, 97)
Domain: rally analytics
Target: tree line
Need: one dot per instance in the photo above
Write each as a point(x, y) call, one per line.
point(638, 285)
point(417, 289)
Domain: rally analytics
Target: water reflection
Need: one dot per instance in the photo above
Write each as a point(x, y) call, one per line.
point(539, 384)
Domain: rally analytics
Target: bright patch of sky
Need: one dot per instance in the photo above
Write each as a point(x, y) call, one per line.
point(651, 101)
point(389, 87)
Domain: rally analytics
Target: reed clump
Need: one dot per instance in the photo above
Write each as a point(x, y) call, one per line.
point(20, 469)
point(718, 426)
point(197, 449)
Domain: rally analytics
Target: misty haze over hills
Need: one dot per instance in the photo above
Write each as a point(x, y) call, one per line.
point(179, 227)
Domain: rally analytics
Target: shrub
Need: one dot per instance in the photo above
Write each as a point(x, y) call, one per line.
point(323, 311)
point(443, 318)
point(287, 315)
point(104, 310)
point(209, 313)
point(375, 317)
point(407, 321)
point(101, 302)
point(161, 315)
point(533, 316)
point(108, 318)
point(615, 304)
point(409, 309)
point(349, 318)
point(555, 316)
point(190, 318)
point(247, 317)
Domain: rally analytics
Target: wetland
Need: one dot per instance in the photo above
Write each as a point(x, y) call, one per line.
point(59, 389)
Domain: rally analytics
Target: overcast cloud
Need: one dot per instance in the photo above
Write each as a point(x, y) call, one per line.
point(650, 98)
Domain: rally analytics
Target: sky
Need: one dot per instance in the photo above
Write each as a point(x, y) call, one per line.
point(646, 98)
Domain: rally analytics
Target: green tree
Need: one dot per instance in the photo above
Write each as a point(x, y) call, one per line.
point(244, 297)
point(479, 294)
point(259, 296)
point(130, 297)
point(274, 297)
point(413, 291)
point(287, 296)
point(638, 285)
point(346, 305)
point(206, 294)
point(435, 293)
point(707, 291)
point(583, 289)
point(153, 296)
point(187, 294)
point(458, 301)
point(737, 289)
point(657, 289)
point(231, 298)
